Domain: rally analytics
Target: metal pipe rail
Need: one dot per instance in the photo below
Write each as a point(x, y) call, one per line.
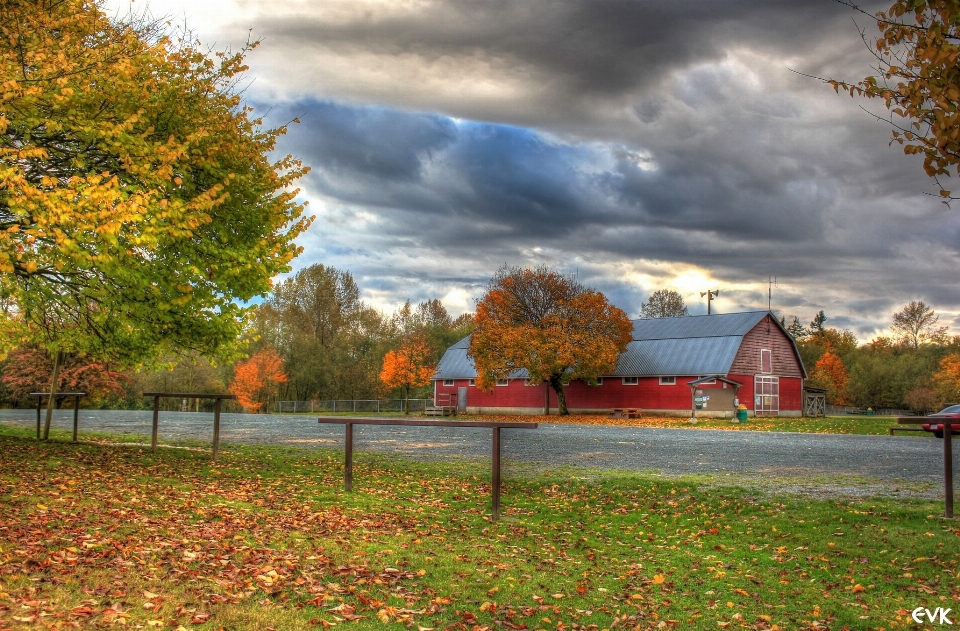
point(948, 427)
point(60, 395)
point(180, 395)
point(349, 421)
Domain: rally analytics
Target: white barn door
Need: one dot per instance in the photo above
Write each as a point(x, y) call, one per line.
point(766, 396)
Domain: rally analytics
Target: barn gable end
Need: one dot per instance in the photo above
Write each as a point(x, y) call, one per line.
point(768, 334)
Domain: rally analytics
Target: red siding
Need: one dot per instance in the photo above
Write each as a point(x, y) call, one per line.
point(647, 394)
point(767, 334)
point(791, 392)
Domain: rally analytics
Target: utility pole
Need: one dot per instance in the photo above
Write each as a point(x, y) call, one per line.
point(771, 283)
point(710, 294)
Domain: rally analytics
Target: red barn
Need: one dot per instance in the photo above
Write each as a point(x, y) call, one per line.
point(672, 365)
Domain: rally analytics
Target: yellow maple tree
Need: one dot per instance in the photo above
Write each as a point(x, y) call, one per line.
point(139, 205)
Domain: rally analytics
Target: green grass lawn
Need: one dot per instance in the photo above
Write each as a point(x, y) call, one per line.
point(841, 425)
point(99, 534)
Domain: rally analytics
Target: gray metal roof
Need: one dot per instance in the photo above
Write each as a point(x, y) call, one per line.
point(719, 325)
point(685, 356)
point(691, 345)
point(455, 364)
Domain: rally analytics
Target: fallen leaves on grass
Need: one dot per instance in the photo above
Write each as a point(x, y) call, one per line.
point(196, 543)
point(136, 540)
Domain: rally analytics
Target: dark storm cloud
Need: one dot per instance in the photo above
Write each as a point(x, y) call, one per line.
point(497, 178)
point(447, 138)
point(372, 142)
point(566, 56)
point(433, 180)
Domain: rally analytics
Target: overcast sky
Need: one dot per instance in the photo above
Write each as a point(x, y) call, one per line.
point(641, 144)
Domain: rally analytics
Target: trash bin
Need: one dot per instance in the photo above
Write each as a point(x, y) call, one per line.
point(742, 413)
point(869, 411)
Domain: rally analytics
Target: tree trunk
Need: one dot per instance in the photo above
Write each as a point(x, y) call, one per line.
point(557, 384)
point(406, 400)
point(52, 401)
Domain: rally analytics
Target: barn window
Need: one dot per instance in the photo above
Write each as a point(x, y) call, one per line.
point(448, 382)
point(668, 381)
point(598, 382)
point(630, 381)
point(503, 382)
point(473, 382)
point(766, 361)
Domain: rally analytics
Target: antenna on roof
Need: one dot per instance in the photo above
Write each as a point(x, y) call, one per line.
point(771, 283)
point(710, 294)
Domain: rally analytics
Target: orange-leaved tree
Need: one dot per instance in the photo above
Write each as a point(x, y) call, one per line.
point(548, 324)
point(947, 379)
point(409, 366)
point(916, 59)
point(29, 369)
point(831, 373)
point(256, 380)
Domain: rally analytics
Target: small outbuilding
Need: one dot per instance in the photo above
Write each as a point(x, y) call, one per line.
point(814, 401)
point(722, 360)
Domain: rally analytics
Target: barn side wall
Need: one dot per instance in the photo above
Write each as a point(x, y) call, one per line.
point(519, 398)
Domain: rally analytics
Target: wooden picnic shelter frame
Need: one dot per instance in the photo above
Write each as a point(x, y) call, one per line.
point(948, 425)
point(60, 395)
point(496, 426)
point(180, 395)
point(696, 383)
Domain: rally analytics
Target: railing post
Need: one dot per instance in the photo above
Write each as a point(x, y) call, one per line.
point(76, 414)
point(495, 486)
point(156, 422)
point(348, 459)
point(948, 468)
point(216, 428)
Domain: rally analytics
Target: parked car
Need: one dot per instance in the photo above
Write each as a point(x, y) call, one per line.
point(951, 412)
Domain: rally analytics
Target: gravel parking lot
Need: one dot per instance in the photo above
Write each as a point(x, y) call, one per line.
point(845, 464)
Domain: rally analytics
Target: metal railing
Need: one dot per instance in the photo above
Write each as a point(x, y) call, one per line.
point(840, 410)
point(353, 405)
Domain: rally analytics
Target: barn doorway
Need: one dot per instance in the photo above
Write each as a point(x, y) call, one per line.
point(766, 396)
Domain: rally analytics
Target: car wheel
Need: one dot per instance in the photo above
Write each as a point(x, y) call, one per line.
point(938, 434)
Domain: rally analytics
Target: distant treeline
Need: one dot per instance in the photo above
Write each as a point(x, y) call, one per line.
point(330, 342)
point(916, 368)
point(313, 338)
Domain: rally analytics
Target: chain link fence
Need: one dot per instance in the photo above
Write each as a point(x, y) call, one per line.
point(353, 405)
